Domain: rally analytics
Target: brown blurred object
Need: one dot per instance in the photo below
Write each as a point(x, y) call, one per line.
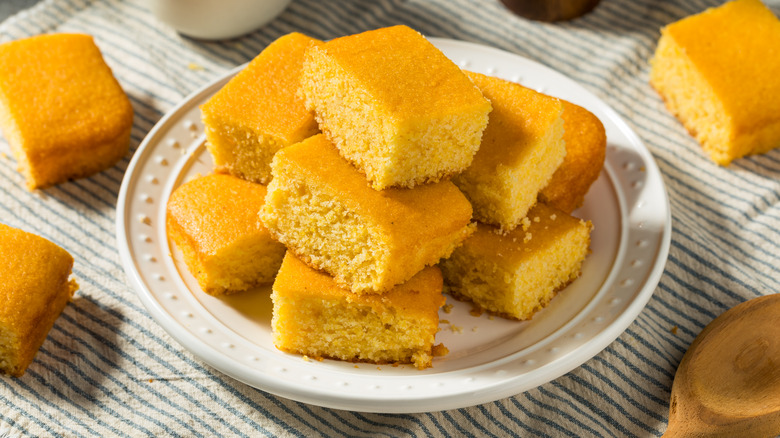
point(550, 10)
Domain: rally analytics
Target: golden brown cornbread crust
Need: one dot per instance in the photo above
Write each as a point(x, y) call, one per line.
point(586, 147)
point(394, 106)
point(516, 274)
point(717, 72)
point(62, 111)
point(521, 148)
point(34, 289)
point(259, 112)
point(213, 220)
point(315, 317)
point(403, 230)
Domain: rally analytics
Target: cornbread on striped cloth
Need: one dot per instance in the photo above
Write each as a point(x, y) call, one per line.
point(108, 369)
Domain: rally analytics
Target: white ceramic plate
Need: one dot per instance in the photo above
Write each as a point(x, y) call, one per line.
point(489, 358)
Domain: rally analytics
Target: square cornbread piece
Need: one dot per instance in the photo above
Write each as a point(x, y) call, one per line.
point(517, 274)
point(325, 212)
point(259, 112)
point(394, 106)
point(61, 109)
point(586, 147)
point(314, 316)
point(521, 149)
point(718, 74)
point(213, 220)
point(34, 288)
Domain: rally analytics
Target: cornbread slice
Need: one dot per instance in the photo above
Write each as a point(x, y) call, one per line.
point(521, 149)
point(718, 74)
point(61, 109)
point(258, 112)
point(517, 274)
point(586, 147)
point(394, 106)
point(34, 288)
point(325, 212)
point(315, 317)
point(213, 220)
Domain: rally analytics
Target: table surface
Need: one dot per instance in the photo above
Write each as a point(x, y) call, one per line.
point(10, 7)
point(108, 369)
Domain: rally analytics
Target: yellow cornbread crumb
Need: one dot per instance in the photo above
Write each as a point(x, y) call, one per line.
point(314, 316)
point(521, 149)
point(213, 220)
point(440, 350)
point(62, 111)
point(515, 279)
point(394, 106)
point(718, 73)
point(258, 112)
point(34, 289)
point(325, 212)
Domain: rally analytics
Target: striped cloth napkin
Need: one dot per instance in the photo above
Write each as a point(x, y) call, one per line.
point(108, 369)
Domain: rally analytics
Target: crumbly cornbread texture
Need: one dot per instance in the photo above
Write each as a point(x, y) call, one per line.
point(517, 274)
point(586, 147)
point(394, 106)
point(213, 220)
point(718, 74)
point(521, 149)
point(61, 109)
point(314, 316)
point(259, 112)
point(34, 288)
point(325, 212)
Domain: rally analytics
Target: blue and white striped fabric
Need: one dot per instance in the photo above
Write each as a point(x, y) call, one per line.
point(107, 369)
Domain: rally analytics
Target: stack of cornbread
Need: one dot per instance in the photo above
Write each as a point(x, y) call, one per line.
point(370, 206)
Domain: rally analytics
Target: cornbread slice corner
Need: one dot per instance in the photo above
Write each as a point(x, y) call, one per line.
point(324, 211)
point(717, 73)
point(517, 274)
point(521, 149)
point(63, 112)
point(394, 106)
point(586, 148)
point(34, 289)
point(259, 112)
point(213, 221)
point(313, 316)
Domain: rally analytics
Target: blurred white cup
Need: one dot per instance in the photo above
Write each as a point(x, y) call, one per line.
point(216, 19)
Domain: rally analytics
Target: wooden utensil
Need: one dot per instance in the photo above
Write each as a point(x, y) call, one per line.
point(728, 382)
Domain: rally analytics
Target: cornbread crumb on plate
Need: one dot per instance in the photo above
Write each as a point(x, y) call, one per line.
point(394, 106)
point(325, 212)
point(718, 73)
point(315, 317)
point(514, 278)
point(213, 220)
point(61, 109)
point(258, 112)
point(34, 289)
point(586, 149)
point(521, 149)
